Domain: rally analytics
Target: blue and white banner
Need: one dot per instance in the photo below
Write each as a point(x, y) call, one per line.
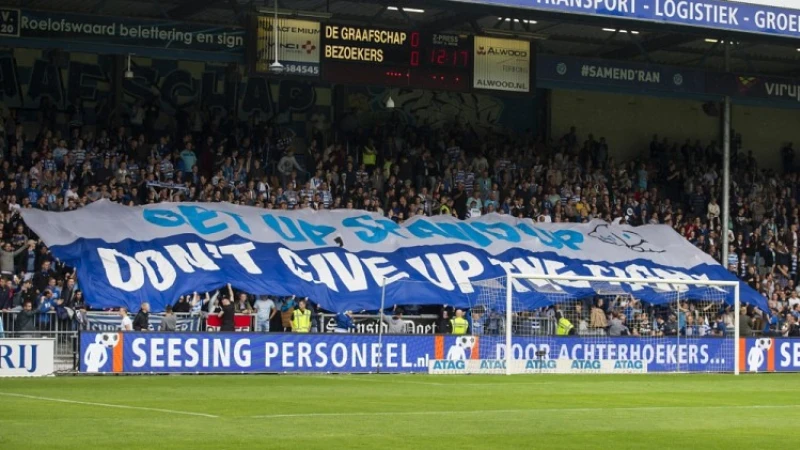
point(111, 322)
point(717, 14)
point(341, 259)
point(131, 352)
point(585, 73)
point(246, 352)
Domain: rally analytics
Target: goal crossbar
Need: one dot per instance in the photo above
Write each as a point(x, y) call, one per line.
point(679, 281)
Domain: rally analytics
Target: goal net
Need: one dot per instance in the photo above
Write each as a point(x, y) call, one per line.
point(557, 324)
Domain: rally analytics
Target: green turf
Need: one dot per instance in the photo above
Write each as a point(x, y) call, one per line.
point(401, 412)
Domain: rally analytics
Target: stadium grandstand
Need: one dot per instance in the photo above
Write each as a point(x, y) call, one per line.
point(576, 192)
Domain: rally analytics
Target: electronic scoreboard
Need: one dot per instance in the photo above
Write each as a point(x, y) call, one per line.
point(396, 58)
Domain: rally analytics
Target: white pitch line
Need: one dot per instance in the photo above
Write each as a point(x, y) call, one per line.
point(514, 411)
point(108, 405)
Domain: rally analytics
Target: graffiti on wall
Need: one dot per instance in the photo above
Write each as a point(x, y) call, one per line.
point(29, 76)
point(440, 109)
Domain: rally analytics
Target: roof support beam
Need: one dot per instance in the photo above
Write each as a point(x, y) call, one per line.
point(378, 14)
point(450, 21)
point(190, 7)
point(651, 45)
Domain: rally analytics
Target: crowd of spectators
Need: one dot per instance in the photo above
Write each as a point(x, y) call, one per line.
point(395, 170)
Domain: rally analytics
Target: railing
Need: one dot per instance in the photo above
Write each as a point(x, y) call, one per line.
point(110, 321)
point(66, 345)
point(49, 322)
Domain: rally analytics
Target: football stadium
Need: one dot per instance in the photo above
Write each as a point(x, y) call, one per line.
point(399, 223)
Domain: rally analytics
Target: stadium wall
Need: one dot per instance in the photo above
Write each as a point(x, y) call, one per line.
point(765, 131)
point(628, 123)
point(29, 75)
point(481, 111)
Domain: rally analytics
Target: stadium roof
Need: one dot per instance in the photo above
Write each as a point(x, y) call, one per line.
point(553, 33)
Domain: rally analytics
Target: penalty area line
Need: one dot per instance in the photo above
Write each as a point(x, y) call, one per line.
point(108, 405)
point(515, 411)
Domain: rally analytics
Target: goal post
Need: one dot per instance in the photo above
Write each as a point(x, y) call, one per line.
point(705, 313)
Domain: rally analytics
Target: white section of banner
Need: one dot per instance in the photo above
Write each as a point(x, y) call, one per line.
point(502, 64)
point(26, 357)
point(358, 231)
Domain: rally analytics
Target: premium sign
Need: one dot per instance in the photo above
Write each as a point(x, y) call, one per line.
point(299, 44)
point(26, 357)
point(502, 64)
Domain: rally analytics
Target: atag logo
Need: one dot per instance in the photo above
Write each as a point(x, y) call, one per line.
point(585, 364)
point(449, 365)
point(540, 364)
point(624, 364)
point(493, 364)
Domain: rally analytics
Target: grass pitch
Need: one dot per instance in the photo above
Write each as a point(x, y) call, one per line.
point(400, 412)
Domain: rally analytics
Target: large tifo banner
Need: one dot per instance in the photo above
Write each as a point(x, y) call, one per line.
point(133, 32)
point(731, 15)
point(341, 259)
point(272, 352)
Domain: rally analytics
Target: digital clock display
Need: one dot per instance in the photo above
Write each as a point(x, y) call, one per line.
point(438, 50)
point(396, 58)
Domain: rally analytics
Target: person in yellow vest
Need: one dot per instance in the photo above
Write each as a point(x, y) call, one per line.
point(444, 210)
point(301, 318)
point(458, 324)
point(565, 327)
point(370, 155)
